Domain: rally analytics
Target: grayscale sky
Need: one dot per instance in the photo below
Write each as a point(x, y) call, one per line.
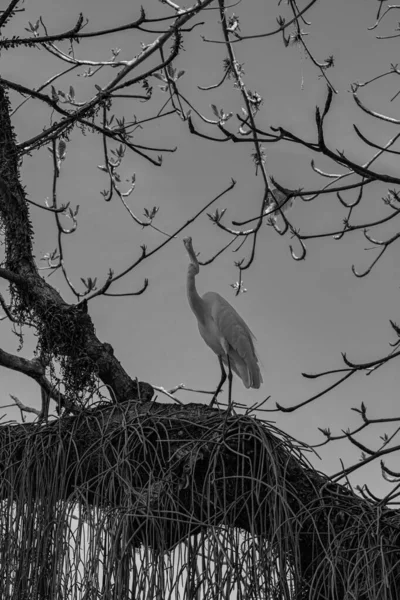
point(304, 314)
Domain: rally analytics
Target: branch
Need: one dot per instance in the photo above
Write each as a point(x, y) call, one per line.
point(23, 408)
point(8, 12)
point(35, 370)
point(144, 255)
point(120, 81)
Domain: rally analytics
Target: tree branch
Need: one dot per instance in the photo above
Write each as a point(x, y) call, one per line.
point(34, 301)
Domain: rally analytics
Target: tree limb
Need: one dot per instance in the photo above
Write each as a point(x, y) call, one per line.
point(33, 300)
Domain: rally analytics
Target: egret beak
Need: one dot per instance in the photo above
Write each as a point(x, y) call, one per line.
point(189, 248)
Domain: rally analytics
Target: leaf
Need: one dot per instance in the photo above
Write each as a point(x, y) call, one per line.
point(395, 327)
point(159, 76)
point(215, 110)
point(62, 147)
point(54, 94)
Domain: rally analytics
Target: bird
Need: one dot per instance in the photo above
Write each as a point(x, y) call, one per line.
point(224, 331)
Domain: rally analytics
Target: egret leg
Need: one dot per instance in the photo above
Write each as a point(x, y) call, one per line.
point(221, 383)
point(230, 377)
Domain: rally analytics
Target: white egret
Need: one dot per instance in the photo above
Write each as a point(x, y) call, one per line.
point(224, 331)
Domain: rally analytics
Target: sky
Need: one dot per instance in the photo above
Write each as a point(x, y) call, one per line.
point(304, 314)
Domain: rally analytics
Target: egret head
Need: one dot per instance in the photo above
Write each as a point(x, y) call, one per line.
point(192, 256)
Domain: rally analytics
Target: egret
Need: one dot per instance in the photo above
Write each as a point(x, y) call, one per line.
point(223, 330)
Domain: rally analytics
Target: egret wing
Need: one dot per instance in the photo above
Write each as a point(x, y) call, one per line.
point(238, 337)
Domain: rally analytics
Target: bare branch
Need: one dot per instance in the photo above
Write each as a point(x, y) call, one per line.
point(8, 12)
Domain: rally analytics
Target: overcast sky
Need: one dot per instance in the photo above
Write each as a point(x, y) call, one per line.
point(304, 314)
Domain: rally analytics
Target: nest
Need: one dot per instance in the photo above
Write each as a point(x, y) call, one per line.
point(143, 500)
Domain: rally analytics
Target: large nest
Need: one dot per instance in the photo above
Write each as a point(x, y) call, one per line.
point(158, 501)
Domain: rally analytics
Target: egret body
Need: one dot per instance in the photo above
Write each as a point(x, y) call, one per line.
point(223, 330)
